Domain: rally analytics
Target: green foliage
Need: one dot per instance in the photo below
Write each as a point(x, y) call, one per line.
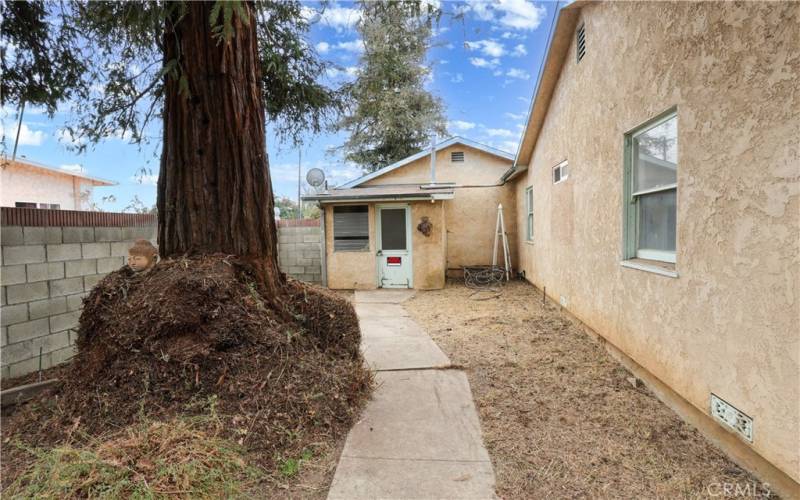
point(393, 116)
point(154, 460)
point(105, 60)
point(287, 209)
point(289, 467)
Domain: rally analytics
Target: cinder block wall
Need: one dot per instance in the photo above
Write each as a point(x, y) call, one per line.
point(300, 251)
point(48, 270)
point(46, 273)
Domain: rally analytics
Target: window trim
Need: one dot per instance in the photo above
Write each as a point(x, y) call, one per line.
point(529, 214)
point(561, 176)
point(630, 212)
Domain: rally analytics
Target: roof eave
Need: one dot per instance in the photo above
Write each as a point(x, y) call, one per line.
point(425, 152)
point(557, 49)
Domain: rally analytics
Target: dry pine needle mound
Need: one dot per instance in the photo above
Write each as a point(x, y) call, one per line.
point(196, 332)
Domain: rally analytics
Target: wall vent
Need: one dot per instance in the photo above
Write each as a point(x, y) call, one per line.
point(731, 417)
point(581, 38)
point(457, 156)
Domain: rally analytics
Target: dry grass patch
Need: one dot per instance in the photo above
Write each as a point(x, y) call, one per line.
point(559, 417)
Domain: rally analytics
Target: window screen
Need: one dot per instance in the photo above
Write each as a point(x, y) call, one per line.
point(653, 187)
point(24, 204)
point(529, 210)
point(351, 228)
point(393, 229)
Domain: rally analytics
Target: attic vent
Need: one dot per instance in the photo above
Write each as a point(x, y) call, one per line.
point(581, 47)
point(457, 156)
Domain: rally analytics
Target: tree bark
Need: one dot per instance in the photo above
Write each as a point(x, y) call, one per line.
point(214, 189)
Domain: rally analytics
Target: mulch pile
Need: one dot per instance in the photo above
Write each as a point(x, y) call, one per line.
point(194, 336)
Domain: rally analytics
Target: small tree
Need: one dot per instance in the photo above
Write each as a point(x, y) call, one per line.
point(212, 71)
point(392, 116)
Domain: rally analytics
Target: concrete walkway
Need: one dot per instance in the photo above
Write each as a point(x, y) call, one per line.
point(419, 437)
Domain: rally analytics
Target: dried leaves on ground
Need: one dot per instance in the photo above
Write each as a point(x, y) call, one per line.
point(195, 336)
point(559, 417)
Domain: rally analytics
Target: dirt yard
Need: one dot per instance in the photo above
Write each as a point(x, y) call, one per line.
point(559, 417)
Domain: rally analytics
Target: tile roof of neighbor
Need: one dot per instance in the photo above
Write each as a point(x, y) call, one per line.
point(425, 152)
point(389, 192)
point(96, 181)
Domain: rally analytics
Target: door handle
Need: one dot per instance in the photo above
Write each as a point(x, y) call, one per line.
point(380, 252)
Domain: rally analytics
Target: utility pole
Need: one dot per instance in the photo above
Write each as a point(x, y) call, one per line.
point(19, 127)
point(299, 213)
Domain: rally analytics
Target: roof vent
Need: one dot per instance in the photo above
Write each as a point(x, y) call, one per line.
point(457, 156)
point(581, 38)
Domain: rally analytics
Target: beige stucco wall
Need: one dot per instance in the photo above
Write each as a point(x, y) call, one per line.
point(729, 323)
point(352, 269)
point(19, 183)
point(472, 214)
point(429, 252)
point(358, 269)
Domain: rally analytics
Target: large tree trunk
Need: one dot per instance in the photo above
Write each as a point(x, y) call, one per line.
point(214, 190)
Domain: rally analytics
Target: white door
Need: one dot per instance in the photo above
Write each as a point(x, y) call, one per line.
point(394, 247)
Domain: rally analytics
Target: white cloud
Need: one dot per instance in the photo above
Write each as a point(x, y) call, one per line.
point(497, 72)
point(518, 73)
point(508, 35)
point(521, 14)
point(457, 78)
point(323, 47)
point(350, 71)
point(480, 8)
point(519, 51)
point(460, 125)
point(73, 167)
point(480, 62)
point(489, 48)
point(516, 14)
point(340, 18)
point(352, 46)
point(27, 136)
point(146, 179)
point(500, 132)
point(515, 116)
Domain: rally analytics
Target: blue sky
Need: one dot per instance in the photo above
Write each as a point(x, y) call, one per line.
point(484, 62)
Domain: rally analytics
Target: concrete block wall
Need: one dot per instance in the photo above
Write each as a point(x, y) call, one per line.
point(300, 252)
point(46, 272)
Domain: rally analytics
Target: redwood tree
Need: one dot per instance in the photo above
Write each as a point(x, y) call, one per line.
point(213, 71)
point(214, 190)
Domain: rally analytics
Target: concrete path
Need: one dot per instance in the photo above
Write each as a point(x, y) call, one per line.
point(419, 437)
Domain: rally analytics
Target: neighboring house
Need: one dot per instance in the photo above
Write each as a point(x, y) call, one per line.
point(658, 188)
point(27, 184)
point(374, 226)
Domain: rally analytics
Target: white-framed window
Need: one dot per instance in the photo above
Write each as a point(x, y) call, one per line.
point(560, 172)
point(351, 228)
point(651, 189)
point(529, 213)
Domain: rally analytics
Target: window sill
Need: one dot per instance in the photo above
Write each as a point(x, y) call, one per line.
point(352, 251)
point(651, 266)
point(529, 242)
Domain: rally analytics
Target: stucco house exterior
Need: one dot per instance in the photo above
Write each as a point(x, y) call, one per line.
point(28, 184)
point(408, 225)
point(658, 200)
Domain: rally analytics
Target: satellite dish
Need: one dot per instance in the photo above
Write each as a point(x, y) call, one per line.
point(315, 177)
